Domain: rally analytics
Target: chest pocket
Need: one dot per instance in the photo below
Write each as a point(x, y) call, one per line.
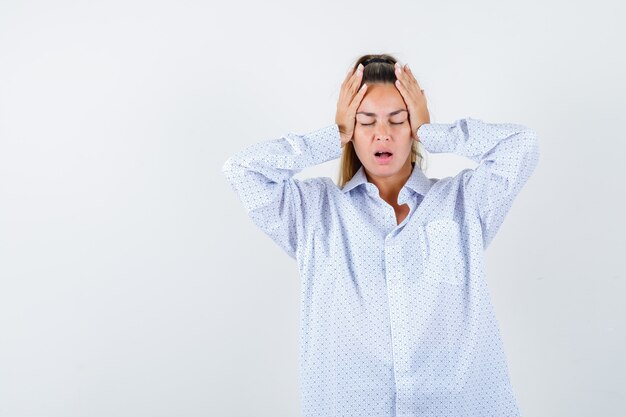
point(443, 252)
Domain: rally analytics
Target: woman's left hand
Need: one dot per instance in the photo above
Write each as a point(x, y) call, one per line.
point(413, 97)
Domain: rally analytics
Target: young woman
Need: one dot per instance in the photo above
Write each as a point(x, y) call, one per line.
point(396, 317)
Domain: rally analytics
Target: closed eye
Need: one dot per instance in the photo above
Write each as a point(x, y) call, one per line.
point(369, 124)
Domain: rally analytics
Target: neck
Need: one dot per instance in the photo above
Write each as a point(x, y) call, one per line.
point(389, 187)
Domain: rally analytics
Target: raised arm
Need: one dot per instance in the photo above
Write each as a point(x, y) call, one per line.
point(262, 176)
point(507, 155)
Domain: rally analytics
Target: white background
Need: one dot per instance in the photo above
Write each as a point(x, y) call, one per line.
point(133, 284)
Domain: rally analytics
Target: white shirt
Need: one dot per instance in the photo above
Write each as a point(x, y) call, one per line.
point(396, 320)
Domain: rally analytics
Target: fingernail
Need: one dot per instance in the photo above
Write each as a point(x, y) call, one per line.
point(360, 68)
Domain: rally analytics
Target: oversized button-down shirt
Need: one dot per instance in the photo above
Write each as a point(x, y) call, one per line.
point(396, 319)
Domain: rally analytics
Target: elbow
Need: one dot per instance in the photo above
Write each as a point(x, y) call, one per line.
point(227, 166)
point(231, 167)
point(531, 145)
point(230, 171)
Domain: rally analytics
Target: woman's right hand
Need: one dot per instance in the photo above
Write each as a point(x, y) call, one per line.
point(349, 101)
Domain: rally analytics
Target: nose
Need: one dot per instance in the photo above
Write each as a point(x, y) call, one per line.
point(382, 132)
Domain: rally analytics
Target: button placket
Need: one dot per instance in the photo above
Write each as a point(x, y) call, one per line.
point(391, 253)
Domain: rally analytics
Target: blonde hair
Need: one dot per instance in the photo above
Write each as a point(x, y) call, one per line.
point(374, 72)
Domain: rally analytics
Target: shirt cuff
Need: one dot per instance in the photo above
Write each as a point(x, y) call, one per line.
point(437, 137)
point(325, 143)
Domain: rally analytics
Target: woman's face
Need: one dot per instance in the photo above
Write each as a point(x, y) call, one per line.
point(382, 123)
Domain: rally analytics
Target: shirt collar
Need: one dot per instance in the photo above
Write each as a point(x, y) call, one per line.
point(417, 181)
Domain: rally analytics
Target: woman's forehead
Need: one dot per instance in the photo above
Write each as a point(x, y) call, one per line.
point(381, 100)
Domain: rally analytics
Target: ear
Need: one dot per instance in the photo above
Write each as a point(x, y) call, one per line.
point(414, 136)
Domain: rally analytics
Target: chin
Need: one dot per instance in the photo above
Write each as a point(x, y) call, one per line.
point(383, 169)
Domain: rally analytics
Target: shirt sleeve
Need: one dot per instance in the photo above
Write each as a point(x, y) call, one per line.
point(506, 153)
point(262, 176)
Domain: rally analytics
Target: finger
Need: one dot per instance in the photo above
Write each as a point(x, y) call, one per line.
point(348, 85)
point(402, 88)
point(409, 89)
point(356, 101)
point(405, 76)
point(410, 75)
point(355, 80)
point(405, 80)
point(398, 70)
point(348, 76)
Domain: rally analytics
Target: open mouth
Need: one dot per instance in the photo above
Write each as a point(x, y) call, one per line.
point(383, 156)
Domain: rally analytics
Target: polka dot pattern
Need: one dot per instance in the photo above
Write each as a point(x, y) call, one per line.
point(396, 319)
